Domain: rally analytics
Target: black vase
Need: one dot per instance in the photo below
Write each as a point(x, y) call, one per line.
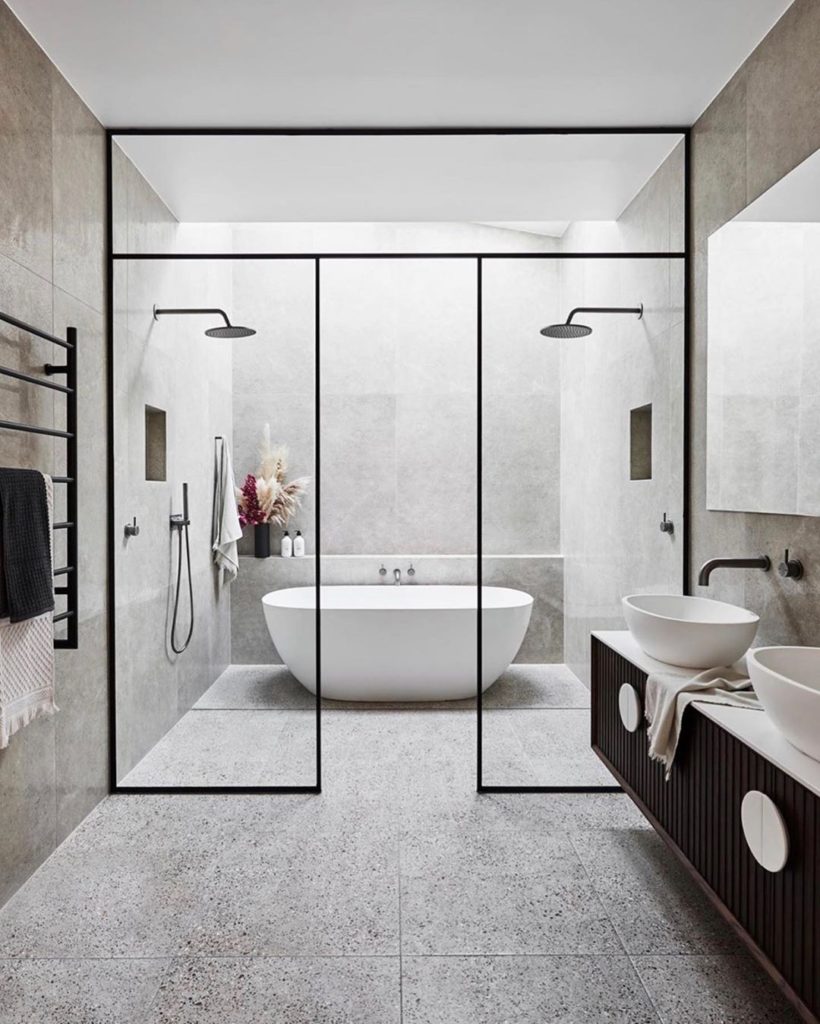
point(261, 540)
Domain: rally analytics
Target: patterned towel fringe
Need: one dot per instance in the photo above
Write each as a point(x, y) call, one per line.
point(41, 702)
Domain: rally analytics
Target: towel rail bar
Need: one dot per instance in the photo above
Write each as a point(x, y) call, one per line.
point(26, 429)
point(71, 589)
point(6, 371)
point(23, 326)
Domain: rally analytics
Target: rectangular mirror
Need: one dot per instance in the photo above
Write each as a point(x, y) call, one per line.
point(763, 378)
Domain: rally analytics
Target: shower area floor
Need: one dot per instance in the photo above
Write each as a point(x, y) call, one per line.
point(255, 726)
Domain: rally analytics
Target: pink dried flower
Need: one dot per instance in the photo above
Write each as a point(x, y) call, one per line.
point(250, 511)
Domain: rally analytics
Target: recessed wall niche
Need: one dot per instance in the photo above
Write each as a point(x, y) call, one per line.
point(154, 443)
point(640, 443)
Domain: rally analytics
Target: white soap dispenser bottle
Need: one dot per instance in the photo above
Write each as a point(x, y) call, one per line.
point(286, 548)
point(298, 544)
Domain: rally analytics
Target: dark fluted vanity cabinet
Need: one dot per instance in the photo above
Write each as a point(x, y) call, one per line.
point(698, 813)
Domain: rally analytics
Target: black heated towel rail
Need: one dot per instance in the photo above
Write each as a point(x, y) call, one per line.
point(68, 370)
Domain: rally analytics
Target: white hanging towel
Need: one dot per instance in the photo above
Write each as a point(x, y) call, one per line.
point(226, 530)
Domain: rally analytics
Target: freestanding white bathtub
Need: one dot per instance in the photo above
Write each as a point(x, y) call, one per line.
point(388, 643)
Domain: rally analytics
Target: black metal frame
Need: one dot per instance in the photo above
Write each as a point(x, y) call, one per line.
point(317, 258)
point(69, 435)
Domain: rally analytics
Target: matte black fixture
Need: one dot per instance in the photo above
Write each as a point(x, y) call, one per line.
point(316, 259)
point(761, 562)
point(571, 330)
point(790, 568)
point(667, 526)
point(228, 331)
point(179, 524)
point(69, 589)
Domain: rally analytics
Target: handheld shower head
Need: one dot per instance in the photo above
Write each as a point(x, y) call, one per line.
point(228, 331)
point(571, 330)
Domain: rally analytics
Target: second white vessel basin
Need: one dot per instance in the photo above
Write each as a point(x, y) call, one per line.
point(787, 680)
point(694, 632)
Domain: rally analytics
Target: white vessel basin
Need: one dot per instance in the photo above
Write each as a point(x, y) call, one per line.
point(694, 632)
point(787, 680)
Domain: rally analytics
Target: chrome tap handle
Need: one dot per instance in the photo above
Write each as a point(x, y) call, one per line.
point(411, 571)
point(382, 571)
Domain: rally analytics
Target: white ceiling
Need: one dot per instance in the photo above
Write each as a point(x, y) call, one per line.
point(397, 62)
point(504, 179)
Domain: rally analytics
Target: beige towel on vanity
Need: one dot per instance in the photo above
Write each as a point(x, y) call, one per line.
point(27, 661)
point(669, 694)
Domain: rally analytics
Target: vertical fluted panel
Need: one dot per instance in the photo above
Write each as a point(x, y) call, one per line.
point(699, 810)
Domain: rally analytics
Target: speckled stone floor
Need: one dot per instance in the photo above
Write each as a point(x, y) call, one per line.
point(398, 895)
point(256, 726)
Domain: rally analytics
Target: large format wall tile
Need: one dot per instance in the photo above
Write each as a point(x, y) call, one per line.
point(52, 173)
point(79, 197)
point(25, 148)
point(760, 126)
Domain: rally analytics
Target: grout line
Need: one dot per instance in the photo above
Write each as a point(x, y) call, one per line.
point(170, 963)
point(401, 954)
point(572, 837)
point(363, 956)
point(643, 986)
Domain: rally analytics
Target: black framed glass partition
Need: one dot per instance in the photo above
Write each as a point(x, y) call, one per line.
point(435, 437)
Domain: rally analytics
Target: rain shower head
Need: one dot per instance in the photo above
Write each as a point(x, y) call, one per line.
point(571, 330)
point(566, 330)
point(228, 331)
point(231, 331)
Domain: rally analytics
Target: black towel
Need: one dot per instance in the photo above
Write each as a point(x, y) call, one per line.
point(28, 584)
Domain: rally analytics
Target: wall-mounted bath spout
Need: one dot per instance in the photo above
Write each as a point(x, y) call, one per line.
point(228, 331)
point(571, 330)
point(761, 562)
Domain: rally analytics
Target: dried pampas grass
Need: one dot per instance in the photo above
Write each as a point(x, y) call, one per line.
point(276, 498)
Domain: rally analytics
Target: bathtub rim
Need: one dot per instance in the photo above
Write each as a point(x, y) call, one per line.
point(514, 598)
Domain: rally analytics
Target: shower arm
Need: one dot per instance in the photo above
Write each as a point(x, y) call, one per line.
point(211, 312)
point(636, 310)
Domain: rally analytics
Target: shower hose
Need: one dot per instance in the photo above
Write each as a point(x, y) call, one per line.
point(178, 650)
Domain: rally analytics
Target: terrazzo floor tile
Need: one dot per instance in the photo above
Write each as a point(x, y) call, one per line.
point(139, 902)
point(274, 687)
point(78, 991)
point(284, 990)
point(537, 686)
point(713, 990)
point(654, 905)
point(524, 990)
point(295, 908)
point(540, 747)
point(244, 687)
point(459, 898)
point(232, 748)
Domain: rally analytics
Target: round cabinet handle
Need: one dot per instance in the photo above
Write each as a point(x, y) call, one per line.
point(629, 707)
point(764, 830)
